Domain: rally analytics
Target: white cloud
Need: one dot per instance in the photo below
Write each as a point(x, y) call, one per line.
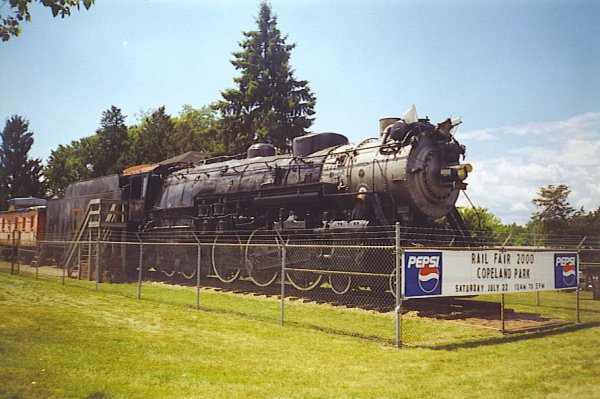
point(507, 176)
point(477, 135)
point(584, 126)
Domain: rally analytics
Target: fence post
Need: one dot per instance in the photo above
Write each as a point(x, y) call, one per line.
point(198, 267)
point(79, 261)
point(64, 267)
point(140, 263)
point(578, 303)
point(502, 315)
point(89, 274)
point(37, 263)
point(577, 280)
point(283, 255)
point(19, 253)
point(98, 259)
point(12, 254)
point(398, 251)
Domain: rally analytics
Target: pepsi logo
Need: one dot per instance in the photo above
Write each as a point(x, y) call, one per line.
point(565, 270)
point(428, 276)
point(568, 269)
point(420, 261)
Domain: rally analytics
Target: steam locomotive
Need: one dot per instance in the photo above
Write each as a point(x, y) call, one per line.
point(410, 174)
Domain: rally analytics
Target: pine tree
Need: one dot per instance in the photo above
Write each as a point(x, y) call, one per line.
point(112, 143)
point(21, 176)
point(269, 104)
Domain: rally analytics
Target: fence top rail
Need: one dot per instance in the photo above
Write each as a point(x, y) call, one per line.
point(239, 244)
point(265, 242)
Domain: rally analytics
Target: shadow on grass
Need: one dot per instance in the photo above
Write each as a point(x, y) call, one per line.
point(517, 337)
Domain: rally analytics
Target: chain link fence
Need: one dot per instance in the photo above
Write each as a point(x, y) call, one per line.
point(344, 283)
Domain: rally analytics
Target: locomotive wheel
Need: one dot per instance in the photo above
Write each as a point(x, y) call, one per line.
point(169, 273)
point(303, 258)
point(187, 267)
point(163, 262)
point(189, 274)
point(304, 281)
point(226, 259)
point(342, 259)
point(340, 283)
point(263, 258)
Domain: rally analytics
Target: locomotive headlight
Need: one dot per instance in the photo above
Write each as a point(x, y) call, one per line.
point(455, 173)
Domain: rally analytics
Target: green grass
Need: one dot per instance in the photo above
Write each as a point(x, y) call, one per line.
point(61, 342)
point(341, 320)
point(553, 304)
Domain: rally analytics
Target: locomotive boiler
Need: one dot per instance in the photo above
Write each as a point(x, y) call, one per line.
point(410, 174)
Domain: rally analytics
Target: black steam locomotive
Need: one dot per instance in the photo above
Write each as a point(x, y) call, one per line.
point(410, 174)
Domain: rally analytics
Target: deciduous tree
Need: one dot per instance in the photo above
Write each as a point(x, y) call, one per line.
point(195, 130)
point(10, 25)
point(68, 164)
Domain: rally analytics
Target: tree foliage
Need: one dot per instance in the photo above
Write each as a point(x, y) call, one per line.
point(112, 143)
point(585, 224)
point(195, 130)
point(69, 163)
point(555, 209)
point(20, 175)
point(269, 104)
point(152, 141)
point(10, 25)
point(481, 223)
point(115, 146)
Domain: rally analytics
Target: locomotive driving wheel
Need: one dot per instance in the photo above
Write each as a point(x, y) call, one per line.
point(188, 269)
point(300, 258)
point(165, 265)
point(226, 256)
point(263, 257)
point(339, 279)
point(340, 283)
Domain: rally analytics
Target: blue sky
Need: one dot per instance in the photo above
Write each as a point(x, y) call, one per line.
point(523, 75)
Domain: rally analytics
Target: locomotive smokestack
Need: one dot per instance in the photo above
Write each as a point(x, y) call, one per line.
point(385, 122)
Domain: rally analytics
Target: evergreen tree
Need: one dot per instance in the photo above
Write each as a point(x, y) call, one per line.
point(112, 143)
point(152, 141)
point(21, 176)
point(269, 104)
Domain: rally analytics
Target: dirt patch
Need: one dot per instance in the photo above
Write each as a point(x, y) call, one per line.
point(516, 322)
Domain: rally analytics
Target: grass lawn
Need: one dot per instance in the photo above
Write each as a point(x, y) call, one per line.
point(62, 342)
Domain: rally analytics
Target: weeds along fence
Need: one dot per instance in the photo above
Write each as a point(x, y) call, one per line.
point(347, 283)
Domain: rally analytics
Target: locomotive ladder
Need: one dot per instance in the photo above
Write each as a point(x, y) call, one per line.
point(102, 218)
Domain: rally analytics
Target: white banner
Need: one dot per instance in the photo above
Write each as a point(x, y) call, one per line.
point(430, 272)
